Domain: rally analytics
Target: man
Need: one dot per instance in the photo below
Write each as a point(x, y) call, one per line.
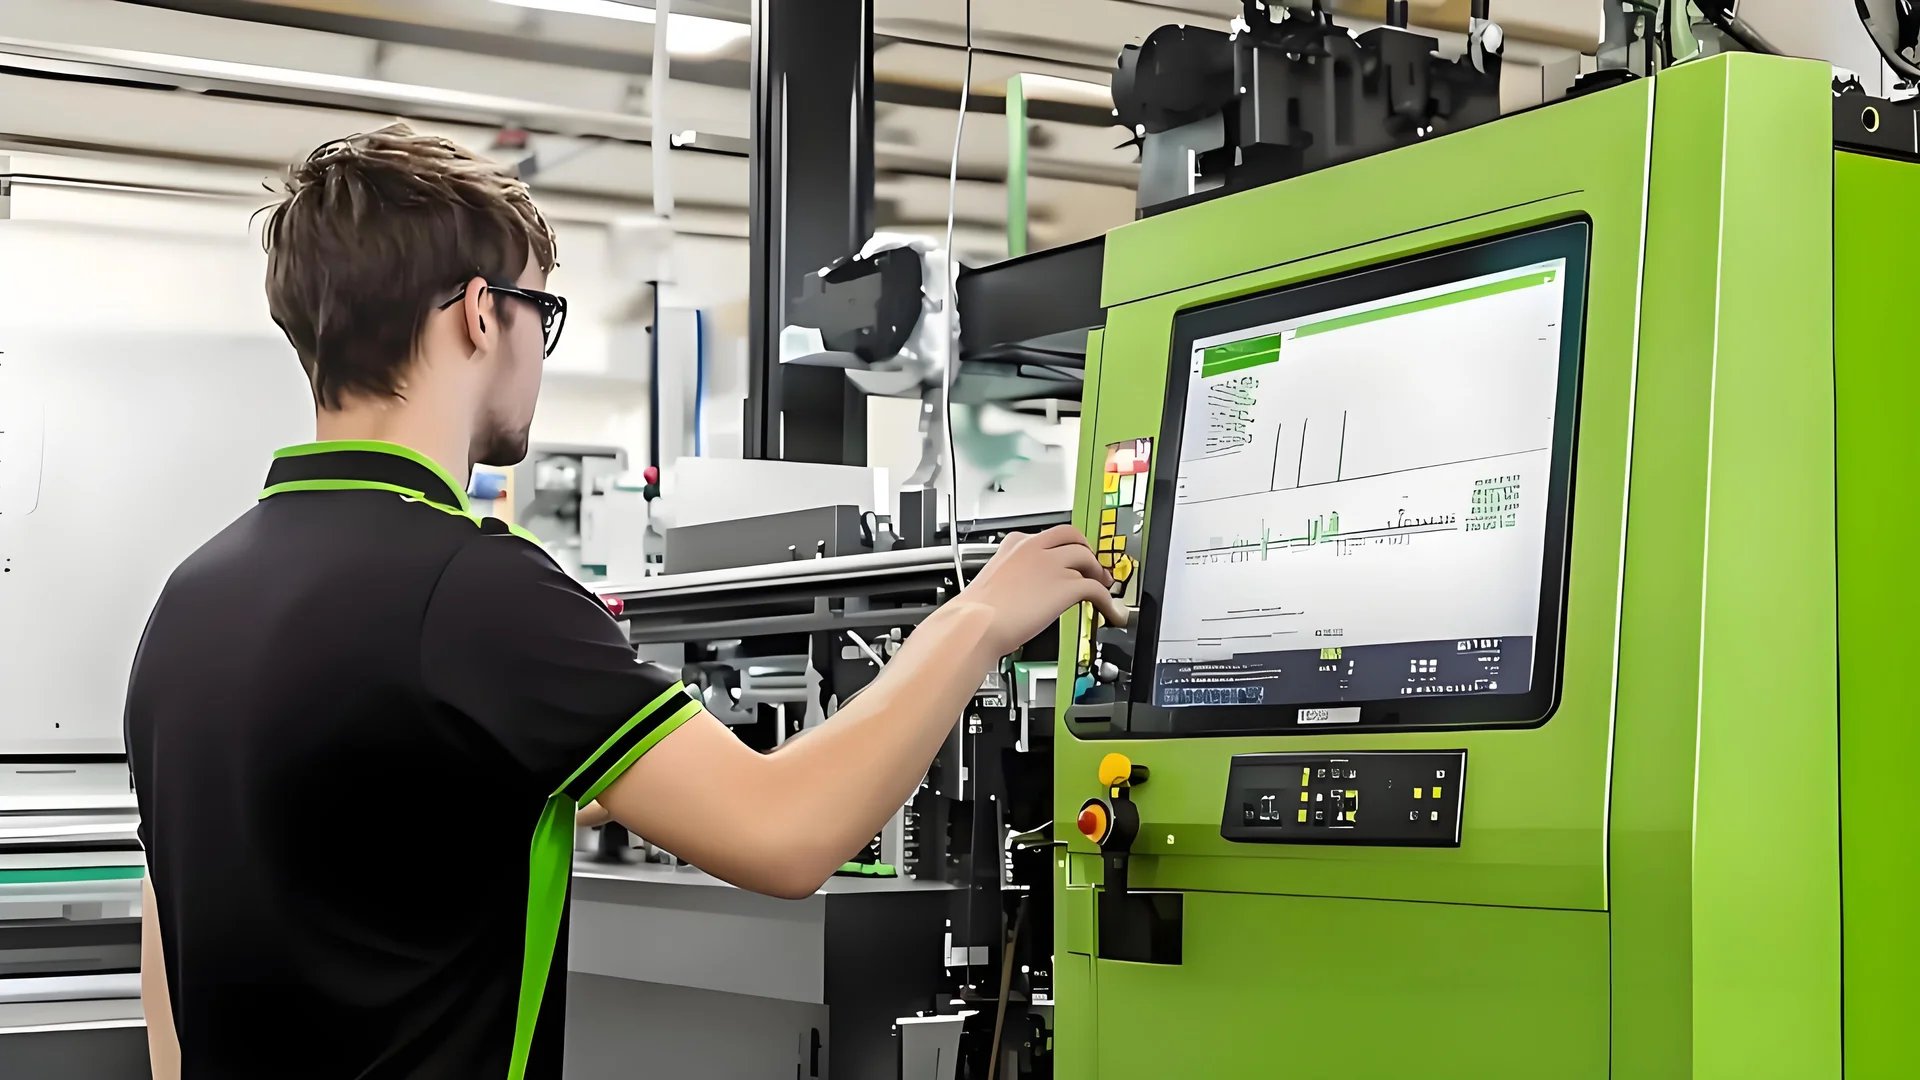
point(359, 645)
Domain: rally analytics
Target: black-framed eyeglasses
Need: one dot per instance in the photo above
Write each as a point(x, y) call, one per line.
point(553, 309)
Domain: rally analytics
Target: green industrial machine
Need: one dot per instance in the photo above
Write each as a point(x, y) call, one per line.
point(1516, 524)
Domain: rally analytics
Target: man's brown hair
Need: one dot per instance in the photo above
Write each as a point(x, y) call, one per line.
point(373, 233)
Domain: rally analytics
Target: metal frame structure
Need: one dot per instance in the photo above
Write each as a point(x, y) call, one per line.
point(811, 202)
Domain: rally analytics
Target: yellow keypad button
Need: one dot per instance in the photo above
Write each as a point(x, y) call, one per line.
point(1303, 817)
point(1303, 796)
point(1350, 815)
point(1110, 482)
point(1305, 775)
point(1436, 793)
point(1109, 517)
point(1353, 794)
point(1417, 792)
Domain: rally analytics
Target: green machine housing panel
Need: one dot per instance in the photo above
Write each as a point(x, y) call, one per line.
point(1875, 387)
point(1648, 883)
point(1537, 819)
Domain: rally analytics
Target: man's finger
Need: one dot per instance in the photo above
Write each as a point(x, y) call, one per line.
point(1082, 561)
point(1110, 609)
point(1061, 535)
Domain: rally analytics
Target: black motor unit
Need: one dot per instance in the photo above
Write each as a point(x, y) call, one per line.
point(1290, 92)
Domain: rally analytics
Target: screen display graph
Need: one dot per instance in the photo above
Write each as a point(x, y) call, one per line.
point(1361, 500)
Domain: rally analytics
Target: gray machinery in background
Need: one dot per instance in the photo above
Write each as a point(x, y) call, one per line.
point(554, 492)
point(776, 621)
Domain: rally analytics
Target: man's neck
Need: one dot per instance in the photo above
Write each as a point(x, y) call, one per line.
point(449, 444)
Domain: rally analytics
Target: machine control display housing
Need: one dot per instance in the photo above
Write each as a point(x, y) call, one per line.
point(1397, 560)
point(1381, 797)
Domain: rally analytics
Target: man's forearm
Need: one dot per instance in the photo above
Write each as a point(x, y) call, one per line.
point(163, 1044)
point(781, 823)
point(842, 782)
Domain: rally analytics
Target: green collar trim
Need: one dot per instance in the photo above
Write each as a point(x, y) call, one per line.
point(373, 446)
point(350, 485)
point(406, 493)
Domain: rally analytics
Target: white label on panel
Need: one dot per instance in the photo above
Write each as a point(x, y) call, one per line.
point(1342, 715)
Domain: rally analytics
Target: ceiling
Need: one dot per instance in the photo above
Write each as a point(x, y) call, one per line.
point(577, 73)
point(246, 86)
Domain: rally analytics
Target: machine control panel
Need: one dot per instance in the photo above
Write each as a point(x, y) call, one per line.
point(1381, 797)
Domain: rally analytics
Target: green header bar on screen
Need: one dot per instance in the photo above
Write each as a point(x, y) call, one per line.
point(1238, 355)
point(1252, 352)
point(1429, 303)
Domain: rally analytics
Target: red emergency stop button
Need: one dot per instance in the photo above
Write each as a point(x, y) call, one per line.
point(1094, 821)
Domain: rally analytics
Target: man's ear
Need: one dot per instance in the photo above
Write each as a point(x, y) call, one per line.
point(478, 307)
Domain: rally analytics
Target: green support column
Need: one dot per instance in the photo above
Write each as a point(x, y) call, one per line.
point(1016, 166)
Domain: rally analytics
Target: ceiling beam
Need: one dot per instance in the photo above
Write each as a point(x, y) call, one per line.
point(729, 74)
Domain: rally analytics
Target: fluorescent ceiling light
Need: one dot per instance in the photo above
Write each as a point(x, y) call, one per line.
point(1065, 91)
point(689, 34)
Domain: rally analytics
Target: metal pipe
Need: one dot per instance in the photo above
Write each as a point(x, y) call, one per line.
point(1017, 166)
point(316, 88)
point(657, 108)
point(1741, 31)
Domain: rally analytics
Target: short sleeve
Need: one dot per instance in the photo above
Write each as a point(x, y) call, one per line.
point(524, 652)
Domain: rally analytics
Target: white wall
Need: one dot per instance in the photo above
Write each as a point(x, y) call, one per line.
point(1827, 30)
point(184, 266)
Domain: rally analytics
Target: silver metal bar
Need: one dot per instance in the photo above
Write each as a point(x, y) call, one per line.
point(889, 159)
point(70, 988)
point(45, 832)
point(63, 803)
point(713, 144)
point(114, 890)
point(818, 572)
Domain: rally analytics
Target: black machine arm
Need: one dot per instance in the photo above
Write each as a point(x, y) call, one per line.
point(1290, 92)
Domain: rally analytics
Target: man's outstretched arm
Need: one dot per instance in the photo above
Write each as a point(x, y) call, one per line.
point(782, 823)
point(163, 1043)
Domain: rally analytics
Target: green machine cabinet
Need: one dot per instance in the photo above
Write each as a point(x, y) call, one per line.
point(1509, 732)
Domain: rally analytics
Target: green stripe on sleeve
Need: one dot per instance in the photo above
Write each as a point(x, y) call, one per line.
point(652, 739)
point(549, 867)
point(614, 739)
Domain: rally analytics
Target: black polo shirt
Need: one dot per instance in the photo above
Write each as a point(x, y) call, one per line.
point(359, 723)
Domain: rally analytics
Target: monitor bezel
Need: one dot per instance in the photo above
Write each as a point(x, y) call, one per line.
point(1567, 239)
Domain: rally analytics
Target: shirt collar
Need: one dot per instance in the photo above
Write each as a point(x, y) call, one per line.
point(346, 465)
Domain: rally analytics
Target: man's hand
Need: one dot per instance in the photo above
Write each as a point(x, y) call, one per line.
point(591, 816)
point(1033, 579)
point(781, 823)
